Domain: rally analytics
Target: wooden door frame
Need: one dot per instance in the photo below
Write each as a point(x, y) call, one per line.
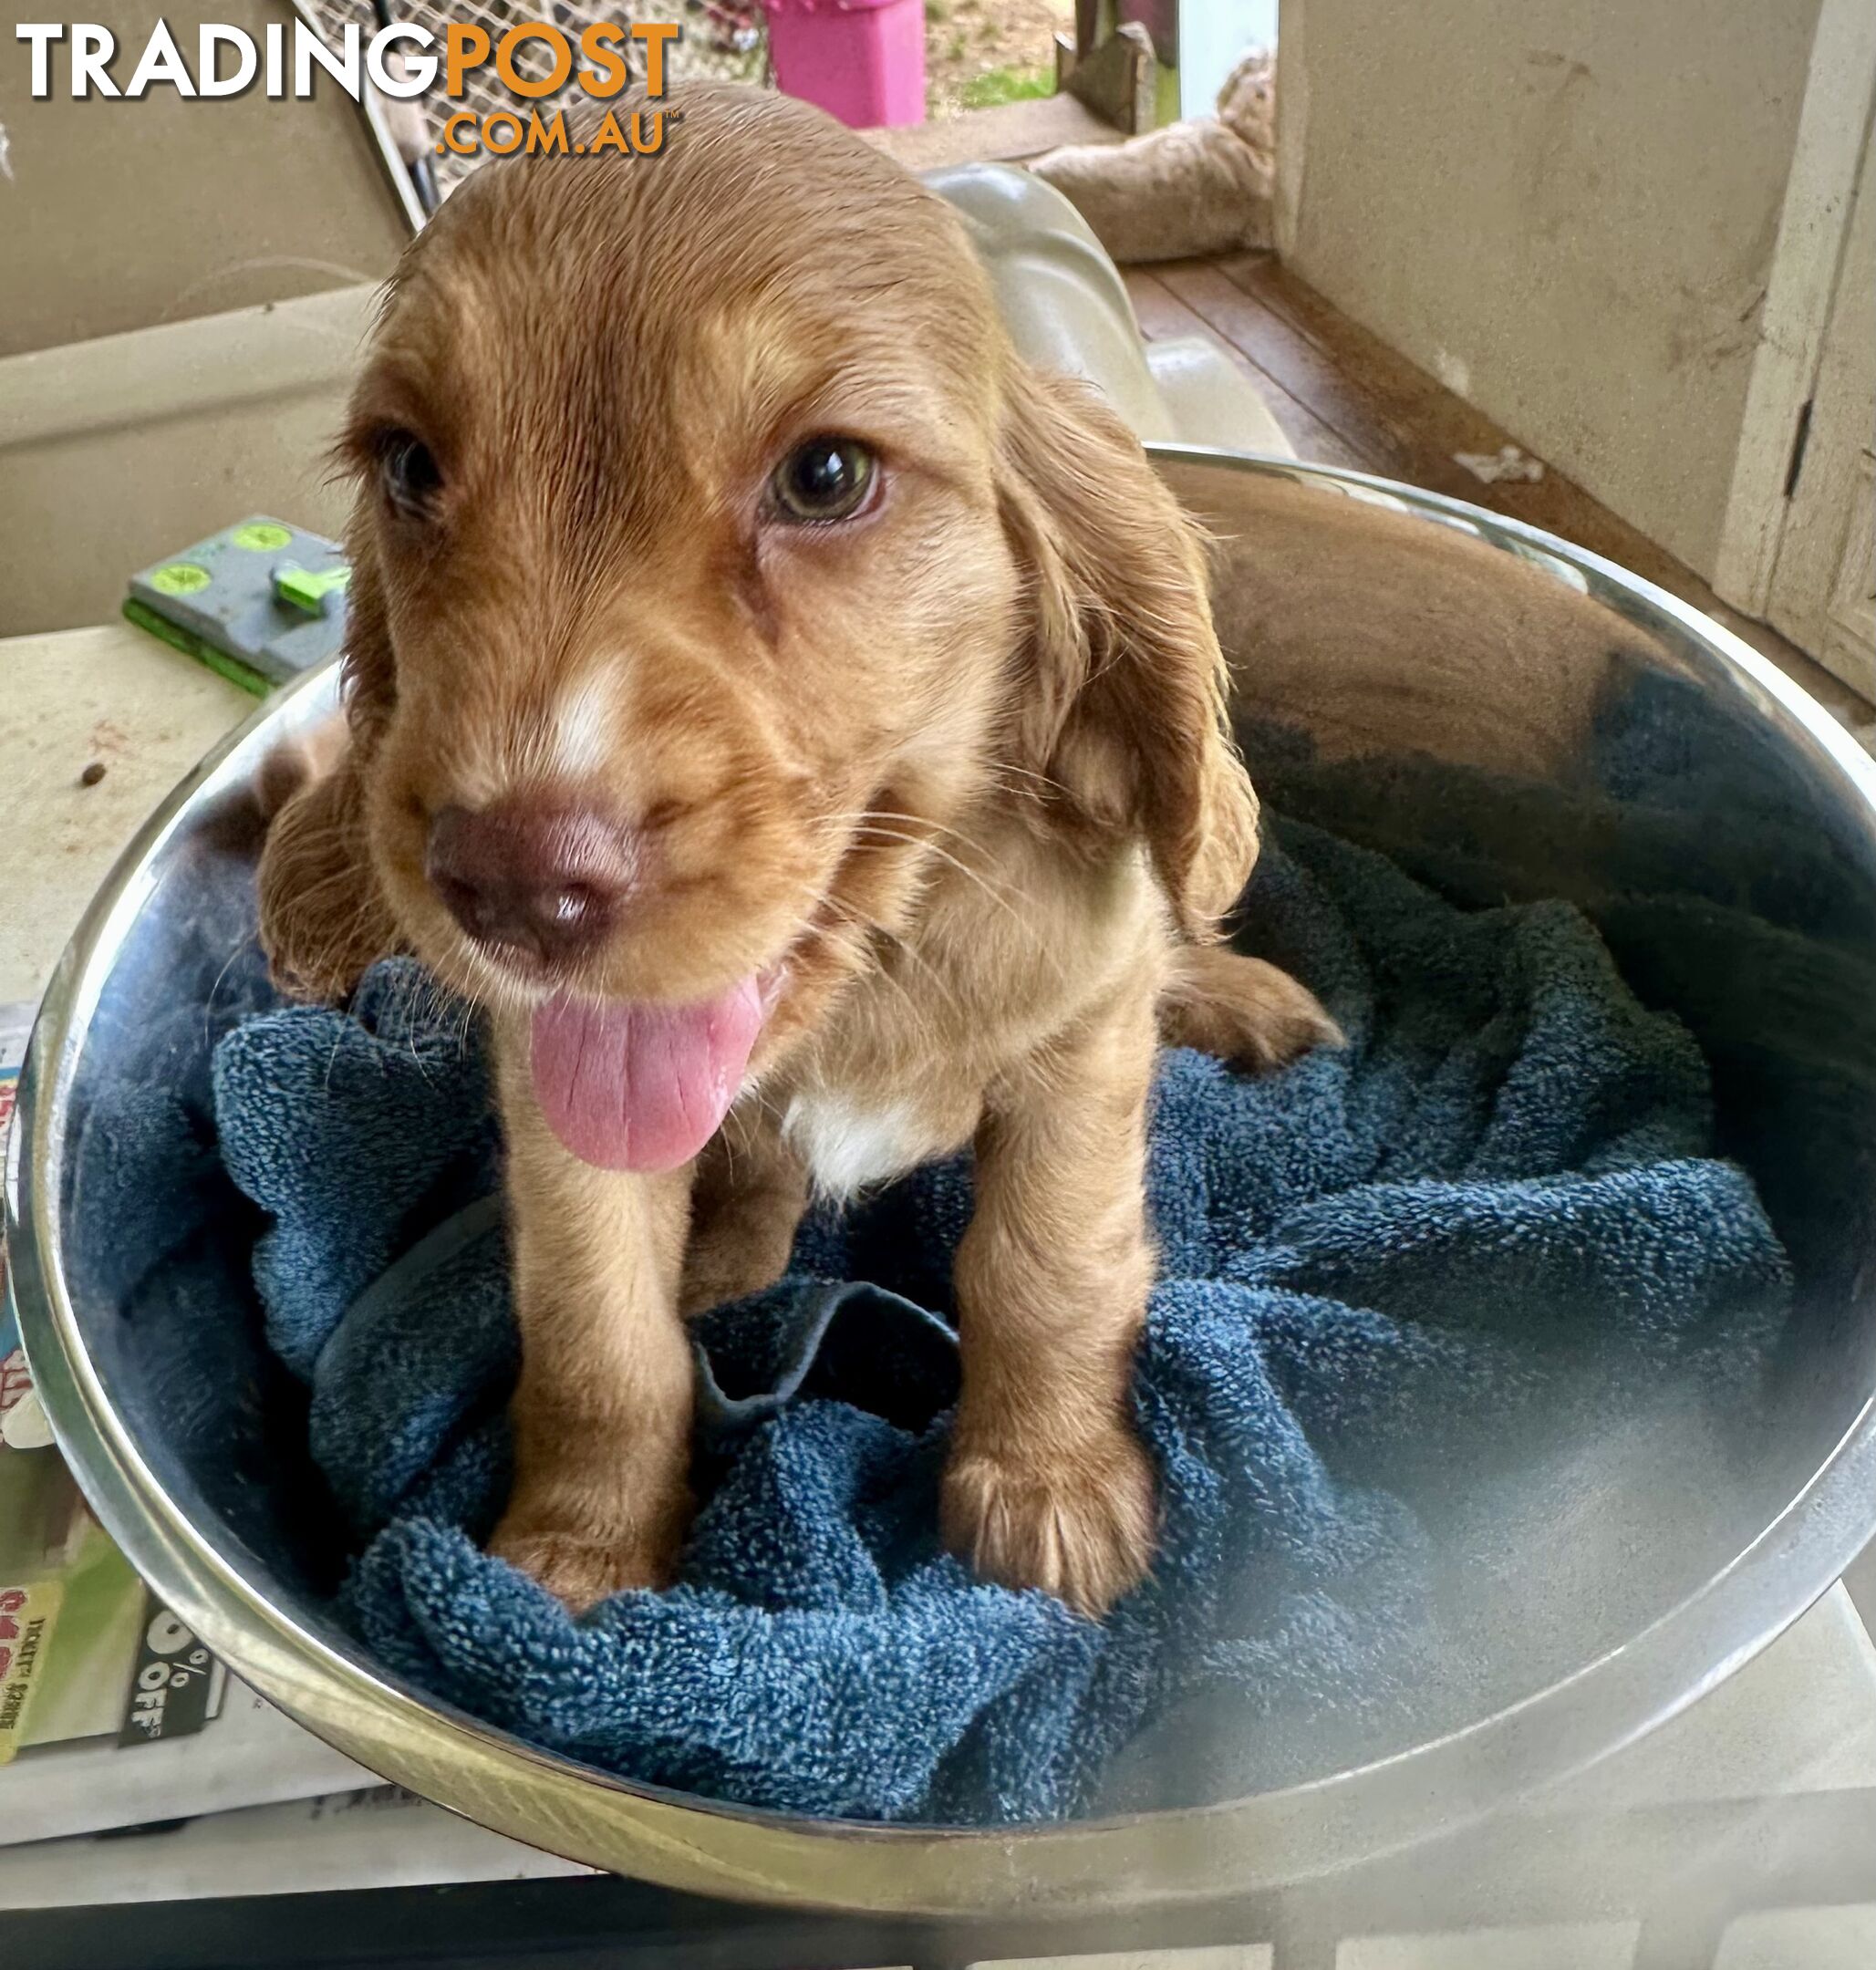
point(1813, 229)
point(1820, 595)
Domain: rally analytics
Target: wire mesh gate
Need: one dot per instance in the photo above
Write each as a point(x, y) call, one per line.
point(721, 38)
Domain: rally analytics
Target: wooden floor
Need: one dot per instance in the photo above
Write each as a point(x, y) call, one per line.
point(1343, 397)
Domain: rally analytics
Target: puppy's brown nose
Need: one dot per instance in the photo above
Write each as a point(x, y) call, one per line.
point(538, 880)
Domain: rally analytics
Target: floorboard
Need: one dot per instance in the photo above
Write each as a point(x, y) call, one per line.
point(1163, 316)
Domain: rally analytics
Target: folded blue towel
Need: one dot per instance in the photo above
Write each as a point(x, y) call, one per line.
point(1405, 1290)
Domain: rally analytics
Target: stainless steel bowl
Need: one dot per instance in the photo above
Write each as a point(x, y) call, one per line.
point(1378, 623)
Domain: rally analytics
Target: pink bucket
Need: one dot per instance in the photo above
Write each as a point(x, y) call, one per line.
point(861, 60)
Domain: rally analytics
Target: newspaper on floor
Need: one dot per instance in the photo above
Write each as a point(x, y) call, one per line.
point(374, 1838)
point(111, 1713)
point(248, 1754)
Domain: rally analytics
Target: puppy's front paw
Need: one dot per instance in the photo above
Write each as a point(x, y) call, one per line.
point(1288, 1021)
point(580, 1565)
point(1079, 1524)
point(1243, 1011)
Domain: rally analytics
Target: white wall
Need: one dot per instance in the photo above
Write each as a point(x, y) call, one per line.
point(1214, 37)
point(1565, 209)
point(121, 214)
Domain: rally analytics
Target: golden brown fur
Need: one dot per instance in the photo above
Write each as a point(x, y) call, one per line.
point(1394, 636)
point(959, 764)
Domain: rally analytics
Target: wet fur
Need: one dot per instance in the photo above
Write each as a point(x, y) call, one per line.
point(962, 764)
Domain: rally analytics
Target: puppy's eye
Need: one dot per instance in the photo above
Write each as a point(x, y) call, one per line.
point(825, 479)
point(409, 473)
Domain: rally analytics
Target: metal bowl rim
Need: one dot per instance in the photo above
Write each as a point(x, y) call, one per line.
point(1083, 1864)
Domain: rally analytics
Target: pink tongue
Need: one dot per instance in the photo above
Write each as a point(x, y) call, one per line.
point(642, 1087)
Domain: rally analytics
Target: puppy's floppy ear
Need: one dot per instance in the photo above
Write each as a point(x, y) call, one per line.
point(1122, 690)
point(323, 920)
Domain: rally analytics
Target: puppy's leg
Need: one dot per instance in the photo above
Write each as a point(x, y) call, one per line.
point(750, 1192)
point(1047, 1486)
point(602, 1415)
point(1241, 1009)
point(324, 921)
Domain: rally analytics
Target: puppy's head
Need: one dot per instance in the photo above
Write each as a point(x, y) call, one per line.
point(712, 555)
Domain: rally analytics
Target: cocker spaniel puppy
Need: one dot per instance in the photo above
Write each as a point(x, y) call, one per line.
point(798, 724)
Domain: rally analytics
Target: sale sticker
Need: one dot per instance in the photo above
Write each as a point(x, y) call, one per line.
point(177, 1685)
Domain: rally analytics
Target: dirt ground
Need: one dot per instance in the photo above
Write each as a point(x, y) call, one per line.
point(981, 52)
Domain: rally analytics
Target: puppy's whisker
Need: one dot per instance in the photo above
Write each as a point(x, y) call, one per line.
point(1006, 772)
point(912, 954)
point(924, 1014)
point(765, 1105)
point(332, 1060)
point(1005, 901)
point(239, 951)
point(965, 842)
point(347, 876)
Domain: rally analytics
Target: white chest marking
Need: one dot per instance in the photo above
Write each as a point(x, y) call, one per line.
point(846, 1148)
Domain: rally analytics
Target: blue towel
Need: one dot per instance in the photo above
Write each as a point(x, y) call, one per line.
point(1404, 1289)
